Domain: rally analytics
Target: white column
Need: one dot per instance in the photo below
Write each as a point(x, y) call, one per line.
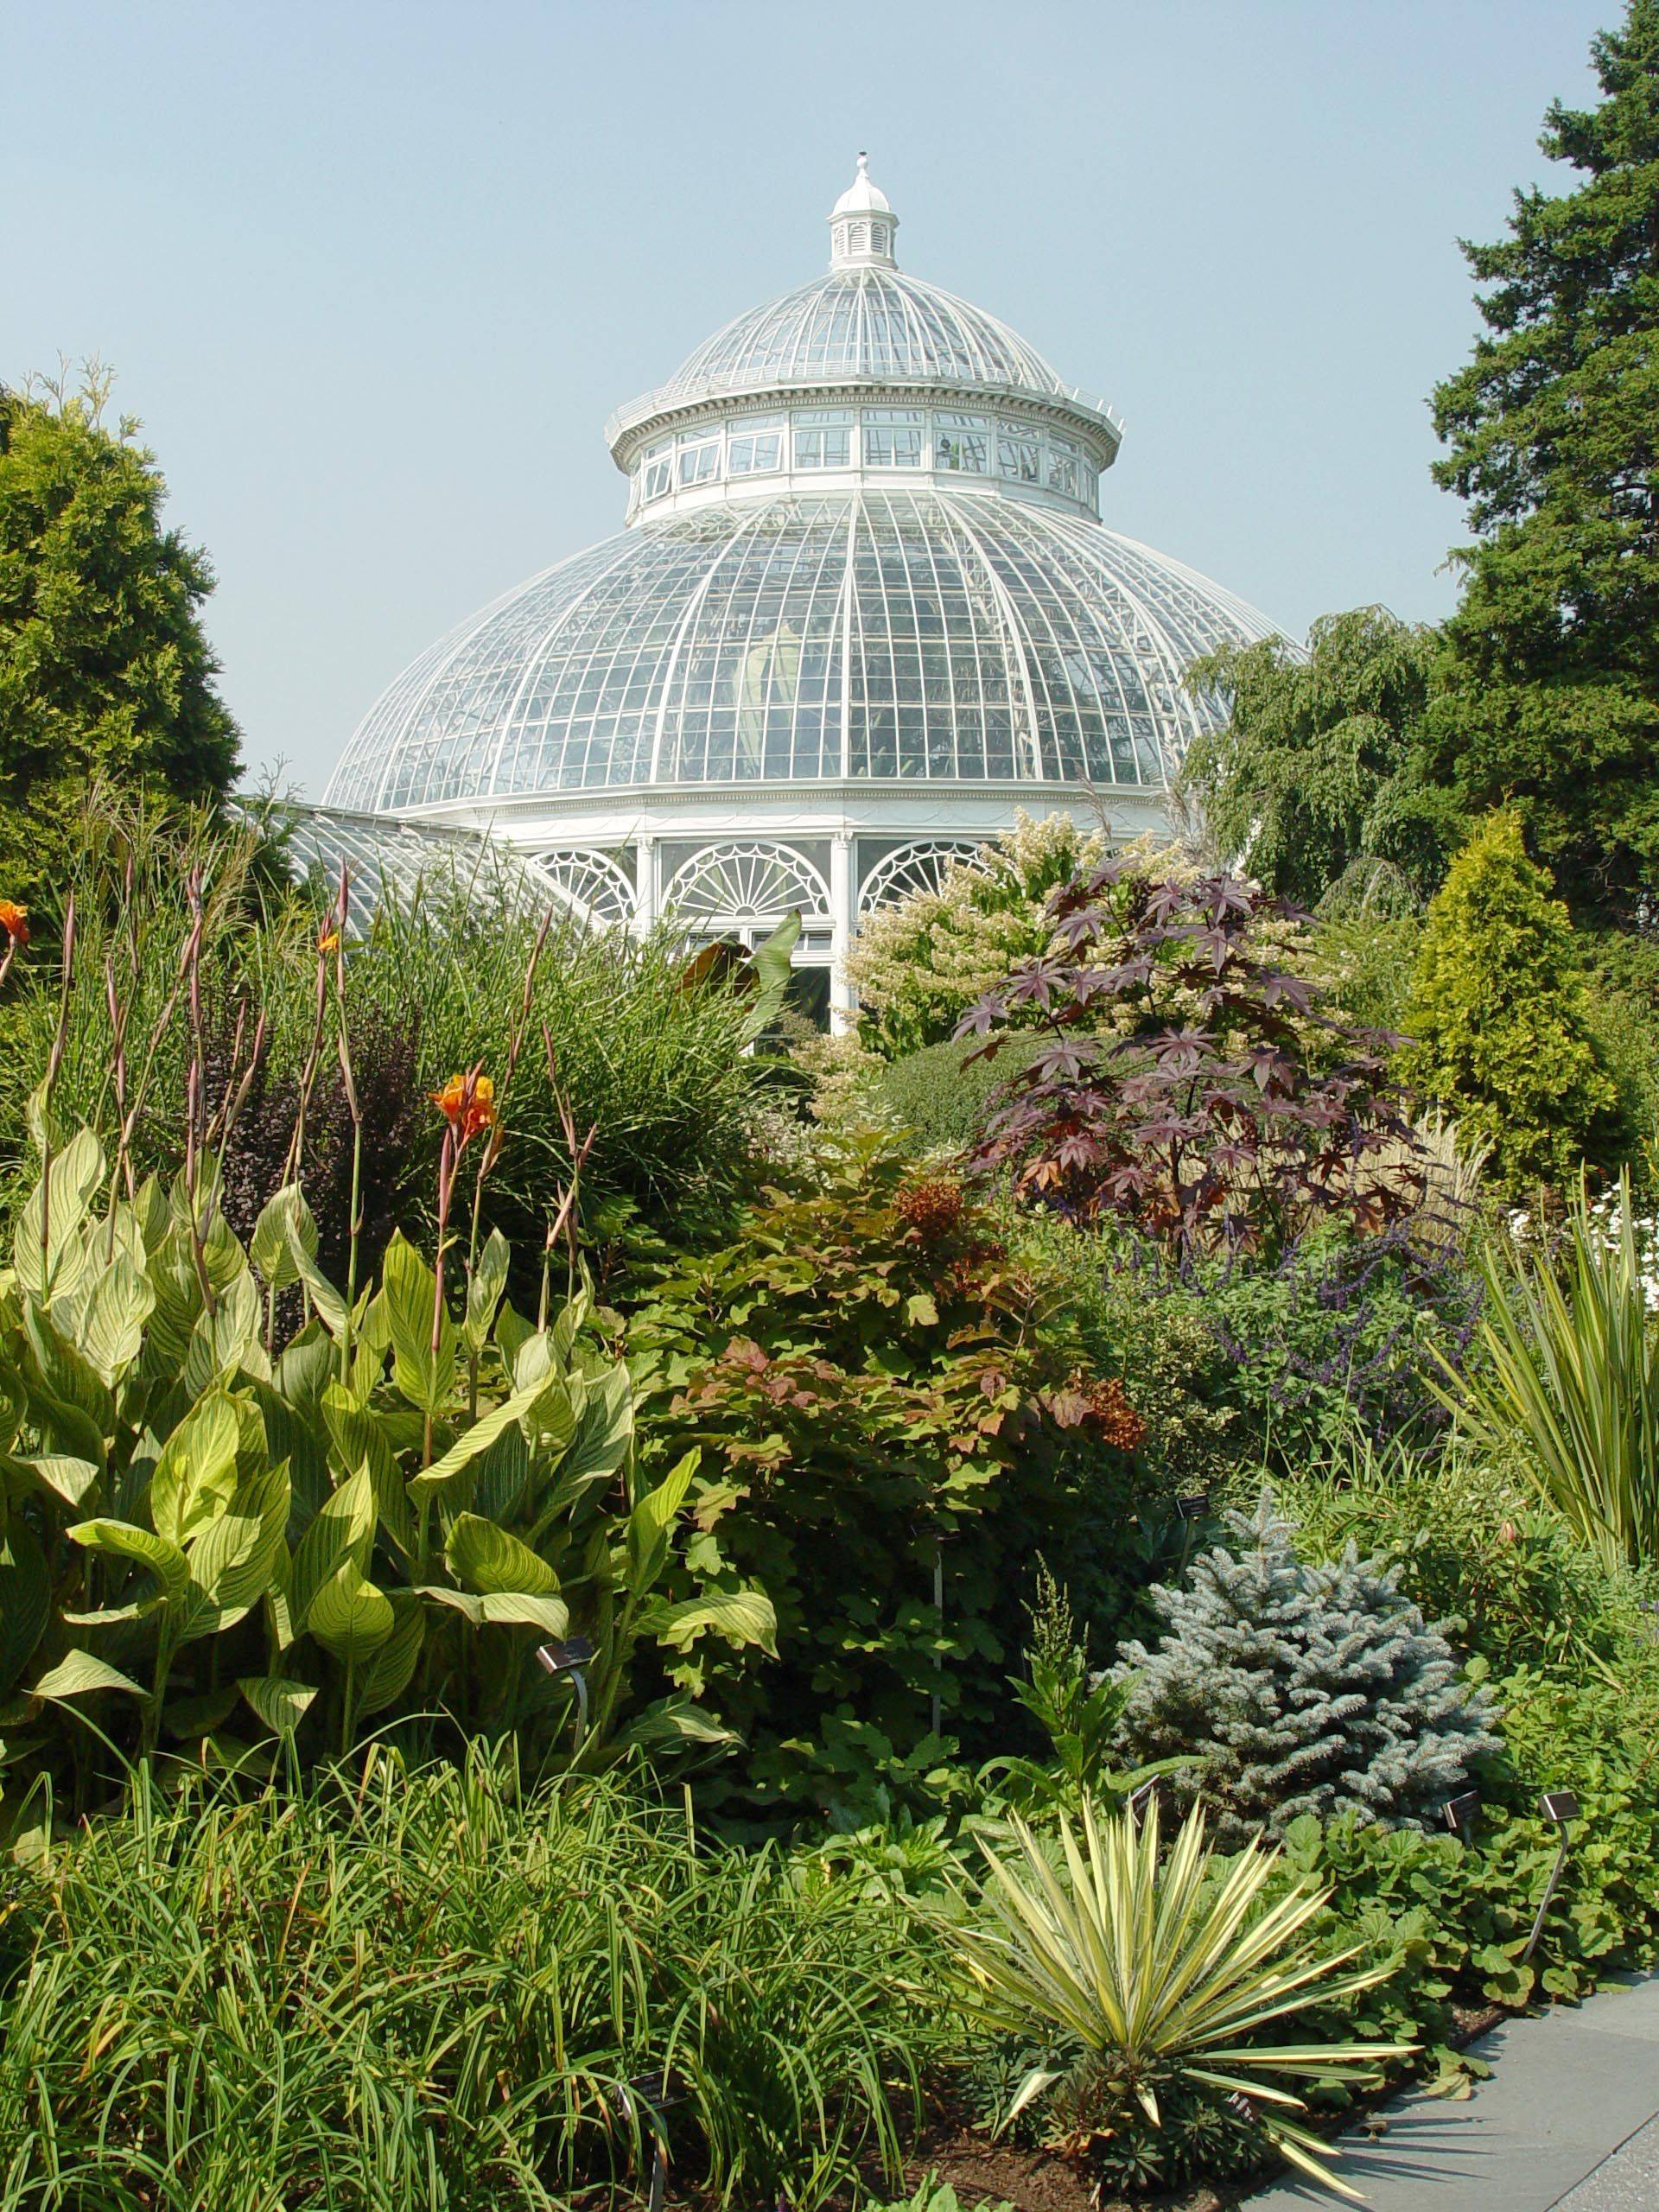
point(645, 883)
point(843, 917)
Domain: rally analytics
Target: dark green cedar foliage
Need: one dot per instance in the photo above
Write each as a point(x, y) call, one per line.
point(1553, 431)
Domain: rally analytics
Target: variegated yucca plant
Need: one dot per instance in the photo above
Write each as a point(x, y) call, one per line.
point(1141, 1974)
point(384, 1515)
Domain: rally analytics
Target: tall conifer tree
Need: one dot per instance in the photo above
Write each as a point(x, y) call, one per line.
point(1552, 430)
point(104, 668)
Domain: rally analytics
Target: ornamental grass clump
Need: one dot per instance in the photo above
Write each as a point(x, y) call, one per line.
point(1295, 1688)
point(1147, 1981)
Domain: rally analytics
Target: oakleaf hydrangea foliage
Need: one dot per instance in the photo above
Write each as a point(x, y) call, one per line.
point(1298, 1688)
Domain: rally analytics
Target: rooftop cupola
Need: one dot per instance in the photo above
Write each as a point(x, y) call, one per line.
point(861, 225)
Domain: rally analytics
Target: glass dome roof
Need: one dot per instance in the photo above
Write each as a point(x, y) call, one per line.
point(915, 637)
point(866, 325)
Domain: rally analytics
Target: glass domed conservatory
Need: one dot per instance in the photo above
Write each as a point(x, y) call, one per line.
point(863, 610)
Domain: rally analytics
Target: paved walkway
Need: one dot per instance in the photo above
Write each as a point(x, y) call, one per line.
point(1570, 2118)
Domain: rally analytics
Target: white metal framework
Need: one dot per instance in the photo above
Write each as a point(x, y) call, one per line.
point(919, 866)
point(864, 602)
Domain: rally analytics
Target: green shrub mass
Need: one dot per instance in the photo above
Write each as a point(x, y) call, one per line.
point(893, 1419)
point(1503, 1036)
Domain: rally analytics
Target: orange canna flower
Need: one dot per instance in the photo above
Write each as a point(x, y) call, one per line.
point(328, 941)
point(14, 919)
point(467, 1103)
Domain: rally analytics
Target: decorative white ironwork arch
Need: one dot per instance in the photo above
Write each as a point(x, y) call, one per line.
point(743, 883)
point(919, 866)
point(594, 887)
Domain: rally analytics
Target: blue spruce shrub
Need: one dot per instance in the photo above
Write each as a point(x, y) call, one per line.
point(1294, 1689)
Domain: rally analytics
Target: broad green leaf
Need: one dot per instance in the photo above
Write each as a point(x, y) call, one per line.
point(599, 1447)
point(386, 1677)
point(349, 1617)
point(111, 1333)
point(282, 1705)
point(230, 1339)
point(232, 1562)
point(651, 1520)
point(77, 1674)
point(678, 1724)
point(358, 1434)
point(268, 1247)
point(195, 1477)
point(25, 1600)
point(409, 1285)
point(343, 1531)
point(142, 1546)
point(485, 1290)
point(524, 1406)
point(66, 1376)
point(920, 1310)
point(331, 1309)
point(65, 1476)
point(49, 1252)
point(484, 1558)
point(741, 1616)
point(770, 962)
point(505, 1608)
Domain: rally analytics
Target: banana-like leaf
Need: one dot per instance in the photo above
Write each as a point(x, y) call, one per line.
point(329, 1304)
point(78, 1674)
point(770, 962)
point(58, 1472)
point(349, 1617)
point(231, 1560)
point(678, 1724)
point(357, 1433)
point(141, 1548)
point(343, 1531)
point(195, 1477)
point(229, 1339)
point(485, 1558)
point(651, 1520)
point(741, 1616)
point(284, 1212)
point(69, 1378)
point(386, 1675)
point(485, 1290)
point(524, 1406)
point(425, 1376)
point(49, 1252)
point(282, 1705)
point(111, 1332)
point(25, 1600)
point(505, 1608)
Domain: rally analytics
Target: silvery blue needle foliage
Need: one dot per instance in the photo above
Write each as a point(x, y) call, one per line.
point(1297, 1688)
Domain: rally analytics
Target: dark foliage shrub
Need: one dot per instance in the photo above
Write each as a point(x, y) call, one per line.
point(396, 1122)
point(1299, 1689)
point(1186, 1083)
point(894, 1420)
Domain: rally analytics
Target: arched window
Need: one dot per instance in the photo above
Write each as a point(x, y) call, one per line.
point(919, 866)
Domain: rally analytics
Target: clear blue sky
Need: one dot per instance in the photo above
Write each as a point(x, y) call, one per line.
point(373, 275)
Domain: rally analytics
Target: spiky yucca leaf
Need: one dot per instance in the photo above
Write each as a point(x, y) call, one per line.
point(1158, 1972)
point(1572, 1373)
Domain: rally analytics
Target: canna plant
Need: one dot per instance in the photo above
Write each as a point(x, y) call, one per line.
point(1147, 1978)
point(383, 1515)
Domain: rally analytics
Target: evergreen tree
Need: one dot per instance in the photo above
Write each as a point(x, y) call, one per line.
point(1299, 1689)
point(1551, 692)
point(1503, 1032)
point(103, 668)
point(1318, 773)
